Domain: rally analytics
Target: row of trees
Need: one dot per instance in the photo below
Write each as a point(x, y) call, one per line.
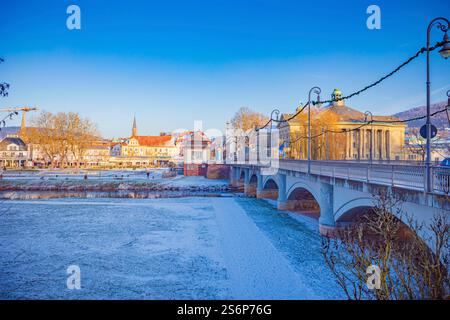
point(62, 135)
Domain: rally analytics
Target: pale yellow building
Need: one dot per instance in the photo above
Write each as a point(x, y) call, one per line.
point(144, 150)
point(338, 133)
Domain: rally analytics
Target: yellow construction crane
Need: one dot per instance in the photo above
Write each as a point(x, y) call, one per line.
point(24, 110)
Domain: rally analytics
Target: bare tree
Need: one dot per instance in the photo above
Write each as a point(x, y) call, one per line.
point(82, 134)
point(246, 119)
point(45, 136)
point(413, 259)
point(63, 134)
point(419, 146)
point(4, 87)
point(326, 142)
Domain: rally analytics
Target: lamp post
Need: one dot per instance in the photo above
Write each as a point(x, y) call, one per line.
point(317, 91)
point(366, 114)
point(276, 112)
point(255, 129)
point(448, 106)
point(444, 52)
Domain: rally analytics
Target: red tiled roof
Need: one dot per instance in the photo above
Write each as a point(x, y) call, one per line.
point(152, 141)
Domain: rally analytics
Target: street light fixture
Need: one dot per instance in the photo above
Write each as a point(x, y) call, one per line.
point(277, 112)
point(269, 140)
point(448, 106)
point(366, 114)
point(444, 52)
point(316, 90)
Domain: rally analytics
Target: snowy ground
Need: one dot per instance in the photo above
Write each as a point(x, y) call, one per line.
point(13, 184)
point(93, 176)
point(182, 181)
point(184, 248)
point(78, 174)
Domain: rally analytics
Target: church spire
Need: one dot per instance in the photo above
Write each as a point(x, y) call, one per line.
point(134, 130)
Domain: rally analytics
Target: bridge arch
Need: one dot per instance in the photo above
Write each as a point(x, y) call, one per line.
point(353, 210)
point(348, 211)
point(252, 185)
point(302, 185)
point(242, 175)
point(303, 199)
point(270, 189)
point(253, 179)
point(240, 179)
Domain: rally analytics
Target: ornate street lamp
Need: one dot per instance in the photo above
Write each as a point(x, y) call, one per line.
point(269, 140)
point(445, 52)
point(276, 112)
point(366, 114)
point(448, 106)
point(317, 91)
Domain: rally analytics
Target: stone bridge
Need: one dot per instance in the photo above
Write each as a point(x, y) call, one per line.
point(336, 192)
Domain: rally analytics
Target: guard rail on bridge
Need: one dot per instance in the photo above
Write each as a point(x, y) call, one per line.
point(406, 176)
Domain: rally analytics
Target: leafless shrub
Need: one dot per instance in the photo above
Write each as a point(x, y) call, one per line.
point(413, 258)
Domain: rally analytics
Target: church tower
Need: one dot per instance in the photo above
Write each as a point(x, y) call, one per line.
point(134, 130)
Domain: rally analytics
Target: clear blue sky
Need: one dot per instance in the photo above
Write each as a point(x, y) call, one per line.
point(173, 62)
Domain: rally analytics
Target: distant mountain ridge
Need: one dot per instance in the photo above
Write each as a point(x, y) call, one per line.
point(8, 130)
point(440, 120)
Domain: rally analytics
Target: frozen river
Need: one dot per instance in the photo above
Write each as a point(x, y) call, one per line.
point(175, 248)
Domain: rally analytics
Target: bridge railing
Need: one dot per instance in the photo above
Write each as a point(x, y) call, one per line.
point(386, 174)
point(441, 180)
point(396, 175)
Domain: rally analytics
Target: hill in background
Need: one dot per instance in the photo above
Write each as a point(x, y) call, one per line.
point(440, 120)
point(8, 130)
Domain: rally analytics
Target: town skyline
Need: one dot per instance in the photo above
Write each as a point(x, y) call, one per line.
point(219, 156)
point(142, 69)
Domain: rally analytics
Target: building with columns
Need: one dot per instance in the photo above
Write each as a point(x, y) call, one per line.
point(339, 133)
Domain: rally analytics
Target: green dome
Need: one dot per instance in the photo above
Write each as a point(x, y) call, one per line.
point(337, 94)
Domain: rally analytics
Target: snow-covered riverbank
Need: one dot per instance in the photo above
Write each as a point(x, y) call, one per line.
point(107, 181)
point(184, 248)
